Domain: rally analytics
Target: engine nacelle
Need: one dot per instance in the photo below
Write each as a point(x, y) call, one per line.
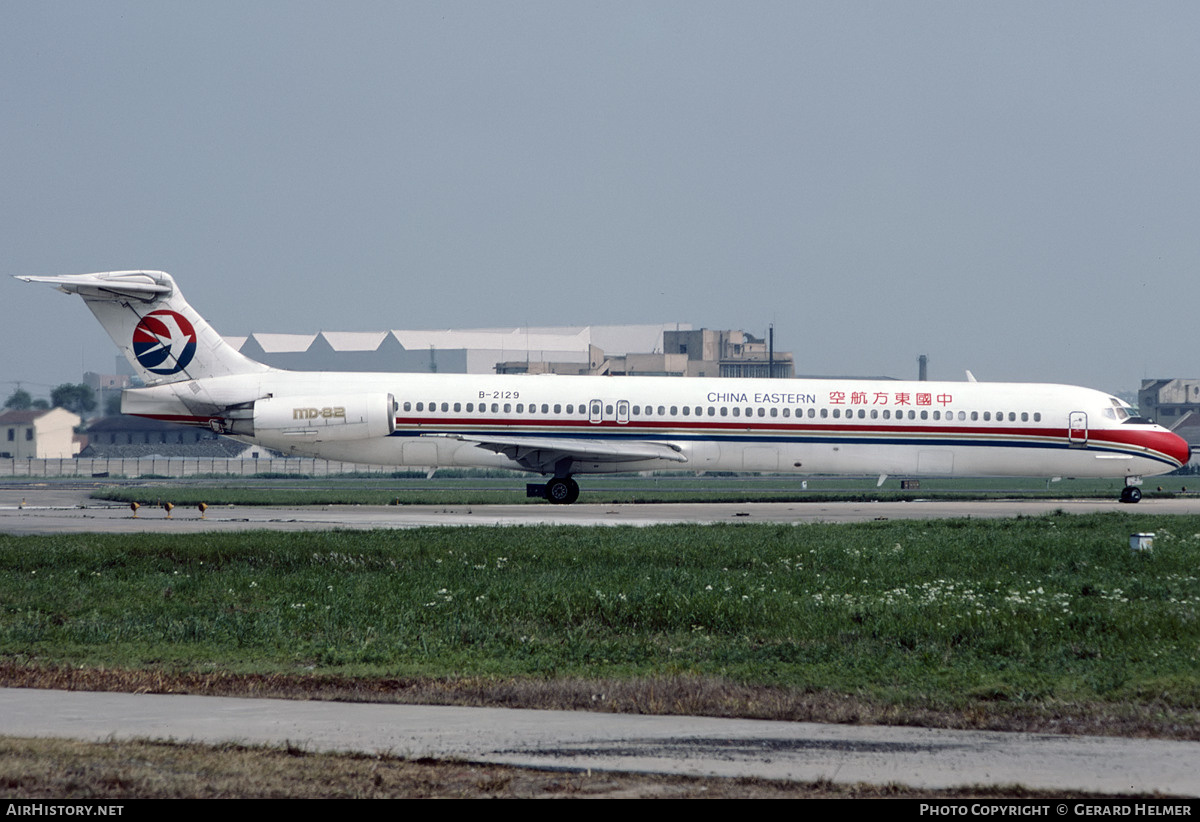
point(324, 418)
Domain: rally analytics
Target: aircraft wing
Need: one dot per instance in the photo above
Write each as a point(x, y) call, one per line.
point(542, 453)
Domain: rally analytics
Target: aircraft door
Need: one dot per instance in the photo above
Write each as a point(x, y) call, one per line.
point(622, 412)
point(595, 411)
point(1077, 432)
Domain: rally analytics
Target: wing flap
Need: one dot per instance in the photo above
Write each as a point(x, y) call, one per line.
point(542, 451)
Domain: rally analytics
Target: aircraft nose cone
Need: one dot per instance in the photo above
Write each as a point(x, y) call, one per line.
point(1179, 449)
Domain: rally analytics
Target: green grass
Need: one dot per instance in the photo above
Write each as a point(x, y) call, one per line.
point(943, 614)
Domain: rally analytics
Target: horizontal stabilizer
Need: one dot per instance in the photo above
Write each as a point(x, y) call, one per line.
point(110, 285)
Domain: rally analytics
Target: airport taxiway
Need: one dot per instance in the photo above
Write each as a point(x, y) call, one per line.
point(579, 740)
point(53, 511)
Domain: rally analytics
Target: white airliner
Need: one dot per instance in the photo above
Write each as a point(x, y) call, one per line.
point(559, 426)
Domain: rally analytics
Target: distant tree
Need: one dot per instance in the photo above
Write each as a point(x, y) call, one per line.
point(78, 398)
point(112, 406)
point(20, 400)
point(41, 405)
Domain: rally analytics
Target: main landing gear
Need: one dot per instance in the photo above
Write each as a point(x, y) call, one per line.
point(559, 491)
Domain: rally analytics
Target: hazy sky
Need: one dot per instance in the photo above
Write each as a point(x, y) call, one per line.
point(1008, 187)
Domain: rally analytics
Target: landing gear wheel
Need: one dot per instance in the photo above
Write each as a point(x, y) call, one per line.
point(1131, 493)
point(562, 490)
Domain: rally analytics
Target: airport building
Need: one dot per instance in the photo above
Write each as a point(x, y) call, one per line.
point(1169, 401)
point(667, 349)
point(1174, 404)
point(713, 353)
point(39, 434)
point(124, 437)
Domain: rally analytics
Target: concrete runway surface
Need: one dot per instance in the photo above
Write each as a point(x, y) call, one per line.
point(579, 740)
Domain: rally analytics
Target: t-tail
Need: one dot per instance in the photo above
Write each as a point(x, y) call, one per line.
point(163, 337)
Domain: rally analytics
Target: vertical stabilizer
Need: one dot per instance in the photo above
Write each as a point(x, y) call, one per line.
point(163, 337)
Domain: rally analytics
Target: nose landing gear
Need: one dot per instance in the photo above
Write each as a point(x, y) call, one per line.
point(1131, 493)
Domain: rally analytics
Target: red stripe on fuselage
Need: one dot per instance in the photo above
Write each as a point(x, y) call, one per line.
point(1161, 442)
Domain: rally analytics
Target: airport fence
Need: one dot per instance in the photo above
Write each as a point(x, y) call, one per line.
point(184, 467)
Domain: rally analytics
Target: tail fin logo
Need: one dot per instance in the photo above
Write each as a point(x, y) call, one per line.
point(164, 342)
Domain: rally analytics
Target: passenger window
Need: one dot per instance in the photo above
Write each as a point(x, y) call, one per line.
point(420, 406)
point(687, 410)
point(662, 410)
point(837, 413)
point(408, 406)
point(712, 412)
point(737, 411)
point(445, 407)
point(458, 406)
point(762, 412)
point(824, 413)
point(724, 411)
point(558, 408)
point(674, 410)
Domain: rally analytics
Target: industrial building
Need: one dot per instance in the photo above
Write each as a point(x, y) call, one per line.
point(1173, 403)
point(667, 349)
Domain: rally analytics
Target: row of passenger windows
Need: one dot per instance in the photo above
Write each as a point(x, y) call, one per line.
point(470, 407)
point(836, 413)
point(732, 411)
